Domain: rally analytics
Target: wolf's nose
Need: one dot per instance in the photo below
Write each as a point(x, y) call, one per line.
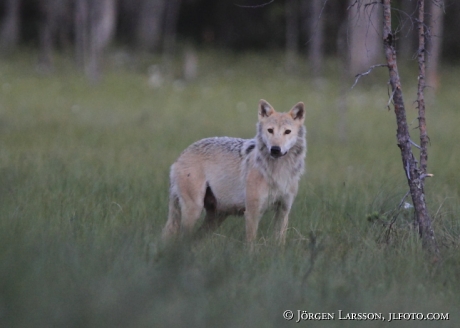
point(275, 151)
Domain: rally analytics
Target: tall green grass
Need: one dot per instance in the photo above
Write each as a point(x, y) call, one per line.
point(84, 187)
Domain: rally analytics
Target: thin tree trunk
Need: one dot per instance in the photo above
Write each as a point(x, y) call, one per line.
point(9, 33)
point(421, 88)
point(55, 27)
point(423, 218)
point(81, 32)
point(102, 27)
point(169, 43)
point(315, 55)
point(292, 34)
point(414, 174)
point(149, 29)
point(365, 47)
point(436, 23)
point(48, 21)
point(94, 28)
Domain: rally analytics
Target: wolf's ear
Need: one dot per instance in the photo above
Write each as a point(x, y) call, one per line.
point(265, 109)
point(298, 112)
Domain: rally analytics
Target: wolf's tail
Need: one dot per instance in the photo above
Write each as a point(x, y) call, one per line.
point(172, 226)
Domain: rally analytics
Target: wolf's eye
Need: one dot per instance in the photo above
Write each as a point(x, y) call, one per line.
point(270, 130)
point(287, 131)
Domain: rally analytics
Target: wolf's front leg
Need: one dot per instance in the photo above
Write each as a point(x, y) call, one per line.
point(252, 217)
point(256, 199)
point(282, 210)
point(281, 221)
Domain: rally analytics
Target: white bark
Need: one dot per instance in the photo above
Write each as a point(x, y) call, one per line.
point(435, 43)
point(365, 19)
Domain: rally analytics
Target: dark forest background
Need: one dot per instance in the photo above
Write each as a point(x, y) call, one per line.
point(312, 28)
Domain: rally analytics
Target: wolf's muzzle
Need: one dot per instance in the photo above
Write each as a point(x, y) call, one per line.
point(275, 152)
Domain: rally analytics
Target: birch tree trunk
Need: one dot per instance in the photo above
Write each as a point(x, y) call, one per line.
point(436, 24)
point(55, 27)
point(9, 32)
point(94, 28)
point(415, 174)
point(365, 47)
point(81, 32)
point(150, 26)
point(46, 36)
point(315, 55)
point(292, 34)
point(170, 27)
point(102, 29)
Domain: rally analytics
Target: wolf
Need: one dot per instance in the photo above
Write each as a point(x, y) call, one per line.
point(232, 176)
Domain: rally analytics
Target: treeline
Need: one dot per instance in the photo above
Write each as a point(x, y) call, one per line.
point(347, 28)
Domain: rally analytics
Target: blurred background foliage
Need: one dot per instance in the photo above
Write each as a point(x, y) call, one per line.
point(308, 29)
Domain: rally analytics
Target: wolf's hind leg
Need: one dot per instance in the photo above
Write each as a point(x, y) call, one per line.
point(211, 222)
point(172, 226)
point(191, 212)
point(212, 219)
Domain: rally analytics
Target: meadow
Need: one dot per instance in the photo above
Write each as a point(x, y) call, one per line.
point(84, 191)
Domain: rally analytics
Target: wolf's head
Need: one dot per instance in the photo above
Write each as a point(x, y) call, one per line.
point(279, 132)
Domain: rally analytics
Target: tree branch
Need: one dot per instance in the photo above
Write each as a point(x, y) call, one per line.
point(403, 199)
point(414, 144)
point(358, 76)
point(390, 100)
point(255, 6)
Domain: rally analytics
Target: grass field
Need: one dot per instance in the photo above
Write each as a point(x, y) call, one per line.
point(83, 198)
